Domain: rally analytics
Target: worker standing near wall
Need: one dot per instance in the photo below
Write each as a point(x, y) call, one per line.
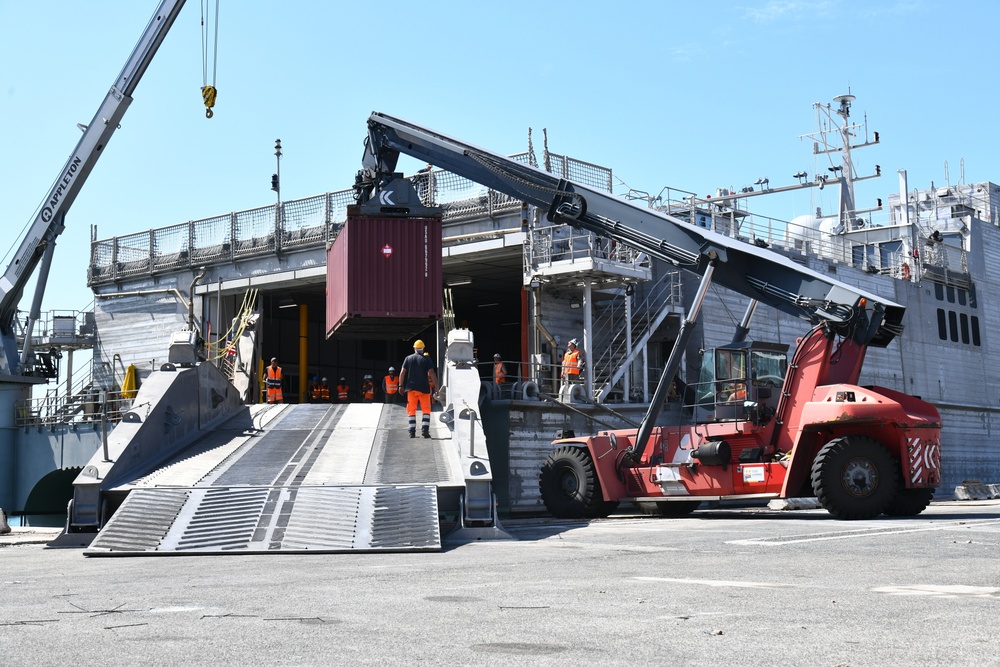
point(343, 391)
point(367, 390)
point(272, 380)
point(390, 386)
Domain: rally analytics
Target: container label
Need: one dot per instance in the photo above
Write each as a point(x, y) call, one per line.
point(387, 251)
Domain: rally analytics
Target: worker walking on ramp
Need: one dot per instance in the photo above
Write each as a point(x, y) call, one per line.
point(415, 380)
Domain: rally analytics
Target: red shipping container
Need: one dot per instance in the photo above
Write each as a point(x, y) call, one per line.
point(383, 277)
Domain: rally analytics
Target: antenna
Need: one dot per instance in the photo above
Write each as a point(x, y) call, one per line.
point(845, 104)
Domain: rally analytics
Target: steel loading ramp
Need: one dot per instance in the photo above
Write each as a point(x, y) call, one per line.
point(292, 478)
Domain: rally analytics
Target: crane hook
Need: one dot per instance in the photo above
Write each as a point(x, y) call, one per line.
point(208, 94)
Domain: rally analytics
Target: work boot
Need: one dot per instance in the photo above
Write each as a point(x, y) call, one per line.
point(425, 433)
point(413, 434)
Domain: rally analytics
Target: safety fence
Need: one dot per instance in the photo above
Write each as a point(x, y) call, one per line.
point(299, 224)
point(85, 409)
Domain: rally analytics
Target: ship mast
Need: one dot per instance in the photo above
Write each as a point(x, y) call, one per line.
point(843, 174)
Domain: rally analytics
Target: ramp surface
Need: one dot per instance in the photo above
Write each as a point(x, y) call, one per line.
point(303, 478)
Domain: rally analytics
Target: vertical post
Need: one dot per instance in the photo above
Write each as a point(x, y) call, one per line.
point(69, 372)
point(627, 383)
point(588, 342)
point(303, 350)
point(104, 424)
point(276, 186)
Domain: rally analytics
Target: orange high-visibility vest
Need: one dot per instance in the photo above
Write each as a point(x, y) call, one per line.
point(324, 393)
point(273, 384)
point(571, 362)
point(342, 391)
point(499, 373)
point(391, 384)
point(368, 390)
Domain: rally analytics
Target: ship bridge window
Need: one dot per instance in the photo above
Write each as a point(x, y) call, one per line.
point(887, 250)
point(953, 325)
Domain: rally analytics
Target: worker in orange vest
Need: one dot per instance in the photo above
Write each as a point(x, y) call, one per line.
point(272, 380)
point(324, 391)
point(315, 391)
point(572, 363)
point(499, 370)
point(500, 376)
point(368, 389)
point(390, 386)
point(343, 391)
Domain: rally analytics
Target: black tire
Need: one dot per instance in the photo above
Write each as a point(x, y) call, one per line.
point(909, 502)
point(673, 508)
point(854, 477)
point(607, 507)
point(569, 485)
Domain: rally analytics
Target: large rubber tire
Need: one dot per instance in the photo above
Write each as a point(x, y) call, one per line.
point(569, 485)
point(909, 502)
point(673, 508)
point(854, 477)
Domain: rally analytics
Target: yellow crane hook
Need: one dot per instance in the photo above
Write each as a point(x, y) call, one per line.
point(208, 94)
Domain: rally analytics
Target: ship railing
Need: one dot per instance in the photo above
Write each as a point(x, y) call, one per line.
point(72, 328)
point(552, 244)
point(88, 408)
point(301, 224)
point(873, 248)
point(621, 341)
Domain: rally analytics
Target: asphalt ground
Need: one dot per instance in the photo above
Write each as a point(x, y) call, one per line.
point(721, 587)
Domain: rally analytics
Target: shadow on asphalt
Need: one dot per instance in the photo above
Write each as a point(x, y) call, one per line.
point(536, 528)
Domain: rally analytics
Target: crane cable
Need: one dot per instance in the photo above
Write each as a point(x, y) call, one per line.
point(208, 92)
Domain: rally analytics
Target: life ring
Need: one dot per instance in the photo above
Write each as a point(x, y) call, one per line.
point(904, 271)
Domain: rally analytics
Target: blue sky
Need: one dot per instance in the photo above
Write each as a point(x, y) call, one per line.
point(691, 95)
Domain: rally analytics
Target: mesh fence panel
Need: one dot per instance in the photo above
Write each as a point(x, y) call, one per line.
point(211, 238)
point(339, 201)
point(170, 246)
point(132, 254)
point(581, 172)
point(304, 221)
point(254, 231)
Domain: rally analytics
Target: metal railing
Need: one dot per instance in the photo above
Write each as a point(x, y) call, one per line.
point(611, 330)
point(299, 224)
point(85, 408)
point(562, 243)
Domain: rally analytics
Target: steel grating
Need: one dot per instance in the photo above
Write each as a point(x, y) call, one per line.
point(216, 520)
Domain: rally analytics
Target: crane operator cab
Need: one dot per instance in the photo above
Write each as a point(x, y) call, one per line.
point(740, 382)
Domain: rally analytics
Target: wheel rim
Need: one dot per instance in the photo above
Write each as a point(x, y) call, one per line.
point(569, 485)
point(860, 477)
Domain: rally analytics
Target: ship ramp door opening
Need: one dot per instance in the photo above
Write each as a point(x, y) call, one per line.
point(293, 478)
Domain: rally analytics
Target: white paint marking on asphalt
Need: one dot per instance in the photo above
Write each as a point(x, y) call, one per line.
point(717, 583)
point(956, 591)
point(872, 532)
